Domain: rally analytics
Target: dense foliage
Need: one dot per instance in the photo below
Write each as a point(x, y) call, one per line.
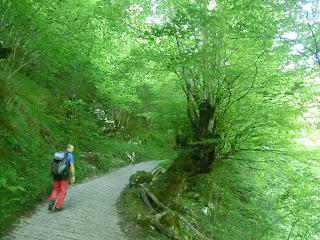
point(235, 84)
point(53, 63)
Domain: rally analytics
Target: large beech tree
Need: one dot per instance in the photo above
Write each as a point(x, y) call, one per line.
point(224, 56)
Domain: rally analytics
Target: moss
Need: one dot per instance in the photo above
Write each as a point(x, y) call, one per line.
point(171, 220)
point(139, 178)
point(170, 184)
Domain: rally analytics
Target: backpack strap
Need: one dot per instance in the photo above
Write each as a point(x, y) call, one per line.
point(66, 154)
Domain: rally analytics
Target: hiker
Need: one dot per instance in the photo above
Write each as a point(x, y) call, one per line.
point(60, 182)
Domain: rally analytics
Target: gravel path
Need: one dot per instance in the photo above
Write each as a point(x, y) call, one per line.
point(89, 211)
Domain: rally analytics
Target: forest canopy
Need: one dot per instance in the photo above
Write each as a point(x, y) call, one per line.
point(227, 82)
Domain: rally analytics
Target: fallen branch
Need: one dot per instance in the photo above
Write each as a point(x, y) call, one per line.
point(155, 219)
point(146, 202)
point(183, 219)
point(163, 229)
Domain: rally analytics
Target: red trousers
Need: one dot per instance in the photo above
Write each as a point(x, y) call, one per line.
point(59, 191)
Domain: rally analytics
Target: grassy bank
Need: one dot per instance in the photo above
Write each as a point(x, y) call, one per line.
point(253, 195)
point(39, 117)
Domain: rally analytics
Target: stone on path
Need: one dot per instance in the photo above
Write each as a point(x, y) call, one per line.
point(90, 211)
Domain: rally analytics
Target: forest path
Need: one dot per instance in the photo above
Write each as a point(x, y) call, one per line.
point(90, 210)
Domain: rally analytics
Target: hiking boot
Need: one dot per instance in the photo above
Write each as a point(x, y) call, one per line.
point(58, 209)
point(51, 205)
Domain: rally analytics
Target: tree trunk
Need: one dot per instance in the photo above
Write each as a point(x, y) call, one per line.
point(196, 159)
point(205, 137)
point(172, 182)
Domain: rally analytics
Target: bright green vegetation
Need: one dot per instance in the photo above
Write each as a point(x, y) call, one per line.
point(257, 195)
point(52, 101)
point(37, 124)
point(234, 84)
point(269, 199)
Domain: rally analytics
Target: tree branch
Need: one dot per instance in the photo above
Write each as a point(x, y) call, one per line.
point(160, 204)
point(316, 52)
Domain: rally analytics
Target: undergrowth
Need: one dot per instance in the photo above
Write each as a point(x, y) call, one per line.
point(258, 195)
point(39, 117)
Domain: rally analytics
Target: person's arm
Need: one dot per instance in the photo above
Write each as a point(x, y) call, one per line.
point(73, 173)
point(72, 169)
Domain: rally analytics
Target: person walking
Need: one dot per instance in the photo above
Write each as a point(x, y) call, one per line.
point(60, 181)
